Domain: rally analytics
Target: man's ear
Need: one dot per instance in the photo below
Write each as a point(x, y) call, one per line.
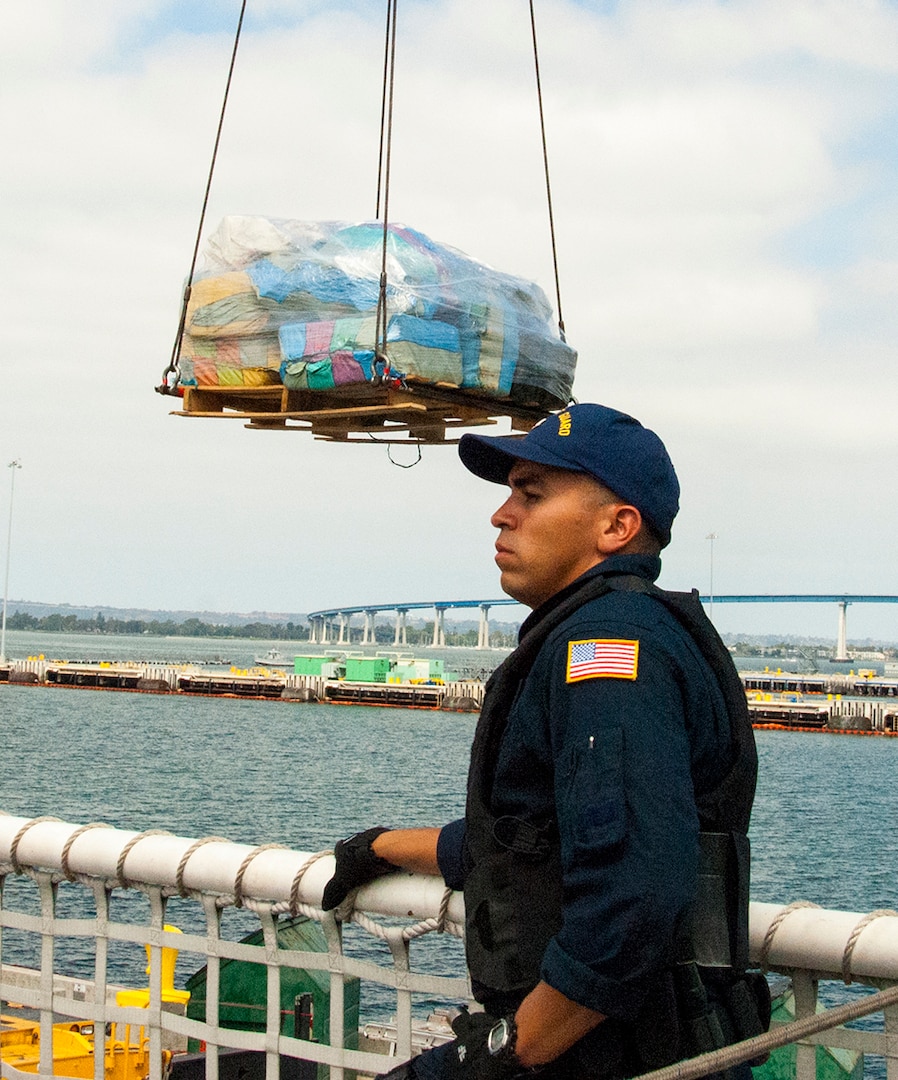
point(617, 528)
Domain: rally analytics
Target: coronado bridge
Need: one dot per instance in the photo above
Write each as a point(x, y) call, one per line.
point(332, 624)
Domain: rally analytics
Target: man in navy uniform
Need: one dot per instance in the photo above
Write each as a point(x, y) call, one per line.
point(610, 743)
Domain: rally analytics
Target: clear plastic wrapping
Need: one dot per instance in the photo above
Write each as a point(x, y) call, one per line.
point(295, 302)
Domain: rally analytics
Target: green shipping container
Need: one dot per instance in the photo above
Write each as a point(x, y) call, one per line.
point(311, 665)
point(367, 668)
point(407, 670)
point(242, 995)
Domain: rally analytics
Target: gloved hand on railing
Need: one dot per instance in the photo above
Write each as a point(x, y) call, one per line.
point(483, 1049)
point(356, 865)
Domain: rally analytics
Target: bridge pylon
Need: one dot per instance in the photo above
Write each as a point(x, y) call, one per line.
point(439, 628)
point(483, 630)
point(842, 640)
point(400, 637)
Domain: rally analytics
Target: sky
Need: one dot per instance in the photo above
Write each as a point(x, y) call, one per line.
point(725, 186)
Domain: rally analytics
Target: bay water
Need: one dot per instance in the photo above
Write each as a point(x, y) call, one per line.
point(824, 829)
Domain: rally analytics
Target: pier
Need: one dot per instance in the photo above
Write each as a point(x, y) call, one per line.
point(857, 704)
point(854, 704)
point(259, 683)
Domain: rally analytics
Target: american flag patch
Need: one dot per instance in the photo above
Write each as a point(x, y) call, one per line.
point(602, 658)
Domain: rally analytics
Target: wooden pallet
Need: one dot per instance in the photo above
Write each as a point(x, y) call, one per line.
point(360, 412)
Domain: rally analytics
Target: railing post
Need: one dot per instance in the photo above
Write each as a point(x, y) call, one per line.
point(272, 995)
point(333, 933)
point(213, 980)
point(891, 1029)
point(805, 991)
point(102, 894)
point(399, 949)
point(47, 888)
point(154, 1006)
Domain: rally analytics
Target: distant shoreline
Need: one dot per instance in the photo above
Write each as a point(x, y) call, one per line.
point(766, 650)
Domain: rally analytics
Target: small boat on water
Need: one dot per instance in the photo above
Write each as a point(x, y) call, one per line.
point(274, 659)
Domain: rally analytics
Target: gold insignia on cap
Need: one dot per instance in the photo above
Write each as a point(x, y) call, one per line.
point(564, 423)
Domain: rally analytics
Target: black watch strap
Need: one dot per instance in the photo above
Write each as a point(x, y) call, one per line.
point(502, 1038)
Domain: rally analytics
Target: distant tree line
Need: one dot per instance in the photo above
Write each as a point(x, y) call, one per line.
point(100, 624)
point(56, 623)
point(789, 649)
point(503, 637)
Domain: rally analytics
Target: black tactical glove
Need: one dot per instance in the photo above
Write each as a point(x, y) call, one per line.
point(483, 1049)
point(356, 865)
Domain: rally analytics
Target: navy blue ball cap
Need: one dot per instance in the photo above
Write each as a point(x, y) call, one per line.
point(606, 444)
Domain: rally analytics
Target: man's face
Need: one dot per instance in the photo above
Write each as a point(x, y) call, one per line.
point(547, 530)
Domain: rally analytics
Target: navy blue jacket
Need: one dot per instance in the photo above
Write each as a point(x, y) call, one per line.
point(618, 762)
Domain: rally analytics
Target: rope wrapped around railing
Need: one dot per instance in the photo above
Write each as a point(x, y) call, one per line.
point(266, 877)
point(271, 879)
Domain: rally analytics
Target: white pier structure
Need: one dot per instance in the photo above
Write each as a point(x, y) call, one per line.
point(206, 878)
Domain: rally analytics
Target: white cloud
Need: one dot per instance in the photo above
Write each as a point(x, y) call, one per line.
point(724, 210)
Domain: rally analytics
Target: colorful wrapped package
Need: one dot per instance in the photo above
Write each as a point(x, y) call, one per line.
point(295, 302)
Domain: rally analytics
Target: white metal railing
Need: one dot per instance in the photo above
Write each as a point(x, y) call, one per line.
point(209, 877)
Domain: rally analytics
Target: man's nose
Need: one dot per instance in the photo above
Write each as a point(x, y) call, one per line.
point(502, 517)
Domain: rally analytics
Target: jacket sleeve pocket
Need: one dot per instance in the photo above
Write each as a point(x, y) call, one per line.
point(591, 803)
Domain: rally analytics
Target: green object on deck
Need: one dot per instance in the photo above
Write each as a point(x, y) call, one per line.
point(243, 989)
point(832, 1063)
point(312, 665)
point(367, 668)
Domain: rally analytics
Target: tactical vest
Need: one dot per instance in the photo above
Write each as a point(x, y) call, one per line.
point(512, 892)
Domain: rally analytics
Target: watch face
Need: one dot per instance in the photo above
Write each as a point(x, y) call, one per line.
point(498, 1037)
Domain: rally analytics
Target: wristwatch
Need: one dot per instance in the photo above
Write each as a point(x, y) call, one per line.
point(501, 1039)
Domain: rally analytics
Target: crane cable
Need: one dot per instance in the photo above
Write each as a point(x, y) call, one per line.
point(380, 369)
point(172, 374)
point(542, 128)
point(380, 366)
point(383, 105)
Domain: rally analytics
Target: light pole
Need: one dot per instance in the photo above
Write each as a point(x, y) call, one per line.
point(712, 536)
point(13, 465)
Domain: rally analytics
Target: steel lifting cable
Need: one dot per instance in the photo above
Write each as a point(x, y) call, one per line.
point(383, 173)
point(383, 108)
point(383, 185)
point(542, 128)
point(172, 374)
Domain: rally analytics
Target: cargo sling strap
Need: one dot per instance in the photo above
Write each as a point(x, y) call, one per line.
point(507, 854)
